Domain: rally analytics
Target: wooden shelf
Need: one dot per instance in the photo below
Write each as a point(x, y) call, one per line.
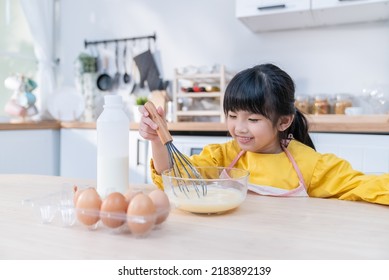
point(343, 123)
point(348, 119)
point(198, 76)
point(220, 78)
point(199, 94)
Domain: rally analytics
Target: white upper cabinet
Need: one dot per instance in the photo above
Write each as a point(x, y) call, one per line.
point(267, 15)
point(332, 12)
point(270, 15)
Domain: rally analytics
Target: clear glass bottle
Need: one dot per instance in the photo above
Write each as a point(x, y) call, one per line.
point(321, 105)
point(343, 101)
point(302, 103)
point(112, 147)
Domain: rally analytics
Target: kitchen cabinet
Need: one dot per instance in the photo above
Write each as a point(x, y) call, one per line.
point(72, 152)
point(190, 145)
point(269, 15)
point(79, 155)
point(195, 105)
point(29, 151)
point(332, 12)
point(140, 154)
point(368, 153)
point(78, 151)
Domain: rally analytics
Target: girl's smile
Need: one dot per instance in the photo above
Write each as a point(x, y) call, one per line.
point(243, 140)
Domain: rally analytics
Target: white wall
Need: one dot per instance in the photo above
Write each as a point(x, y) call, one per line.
point(202, 32)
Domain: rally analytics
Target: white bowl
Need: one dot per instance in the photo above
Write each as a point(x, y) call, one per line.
point(353, 111)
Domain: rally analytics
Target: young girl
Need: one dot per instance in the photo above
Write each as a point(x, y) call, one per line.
point(271, 140)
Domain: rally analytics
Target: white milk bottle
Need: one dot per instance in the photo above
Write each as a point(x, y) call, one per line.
point(112, 147)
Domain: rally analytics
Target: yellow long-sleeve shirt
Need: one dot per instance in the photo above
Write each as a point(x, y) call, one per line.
point(325, 175)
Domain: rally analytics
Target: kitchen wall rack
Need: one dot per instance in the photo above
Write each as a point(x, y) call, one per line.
point(139, 38)
point(218, 79)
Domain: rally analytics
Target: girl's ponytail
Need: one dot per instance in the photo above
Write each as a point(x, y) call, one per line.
point(299, 129)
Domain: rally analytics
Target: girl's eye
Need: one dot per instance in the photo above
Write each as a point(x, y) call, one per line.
point(232, 116)
point(253, 120)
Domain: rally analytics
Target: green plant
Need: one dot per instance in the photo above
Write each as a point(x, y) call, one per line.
point(141, 100)
point(86, 63)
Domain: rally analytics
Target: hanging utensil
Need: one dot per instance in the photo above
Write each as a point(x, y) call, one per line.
point(104, 81)
point(135, 74)
point(116, 78)
point(126, 76)
point(148, 70)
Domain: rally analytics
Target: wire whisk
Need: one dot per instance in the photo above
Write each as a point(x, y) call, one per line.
point(181, 166)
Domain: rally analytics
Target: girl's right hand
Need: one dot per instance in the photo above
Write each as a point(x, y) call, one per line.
point(147, 127)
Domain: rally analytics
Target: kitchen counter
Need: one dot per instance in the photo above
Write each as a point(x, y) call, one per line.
point(324, 123)
point(30, 125)
point(346, 124)
point(261, 228)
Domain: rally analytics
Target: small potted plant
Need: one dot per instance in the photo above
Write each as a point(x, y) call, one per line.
point(139, 101)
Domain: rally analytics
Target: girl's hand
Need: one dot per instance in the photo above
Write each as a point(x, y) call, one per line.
point(147, 127)
point(148, 130)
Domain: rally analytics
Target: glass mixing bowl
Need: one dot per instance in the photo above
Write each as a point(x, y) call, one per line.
point(219, 189)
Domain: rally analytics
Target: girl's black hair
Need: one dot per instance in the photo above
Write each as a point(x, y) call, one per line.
point(269, 91)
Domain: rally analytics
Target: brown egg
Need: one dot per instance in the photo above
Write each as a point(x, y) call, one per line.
point(161, 203)
point(113, 210)
point(88, 207)
point(130, 194)
point(76, 193)
point(141, 214)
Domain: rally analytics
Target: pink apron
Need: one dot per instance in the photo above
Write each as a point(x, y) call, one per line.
point(272, 191)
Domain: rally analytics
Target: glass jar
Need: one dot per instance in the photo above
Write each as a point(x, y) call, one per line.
point(342, 102)
point(302, 103)
point(321, 105)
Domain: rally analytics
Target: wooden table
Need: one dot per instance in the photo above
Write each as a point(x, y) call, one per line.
point(261, 228)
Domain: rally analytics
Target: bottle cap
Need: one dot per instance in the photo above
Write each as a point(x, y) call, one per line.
point(113, 100)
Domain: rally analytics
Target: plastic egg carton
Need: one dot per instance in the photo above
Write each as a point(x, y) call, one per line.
point(58, 209)
point(48, 207)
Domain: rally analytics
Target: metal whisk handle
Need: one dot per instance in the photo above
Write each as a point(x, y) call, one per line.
point(163, 131)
